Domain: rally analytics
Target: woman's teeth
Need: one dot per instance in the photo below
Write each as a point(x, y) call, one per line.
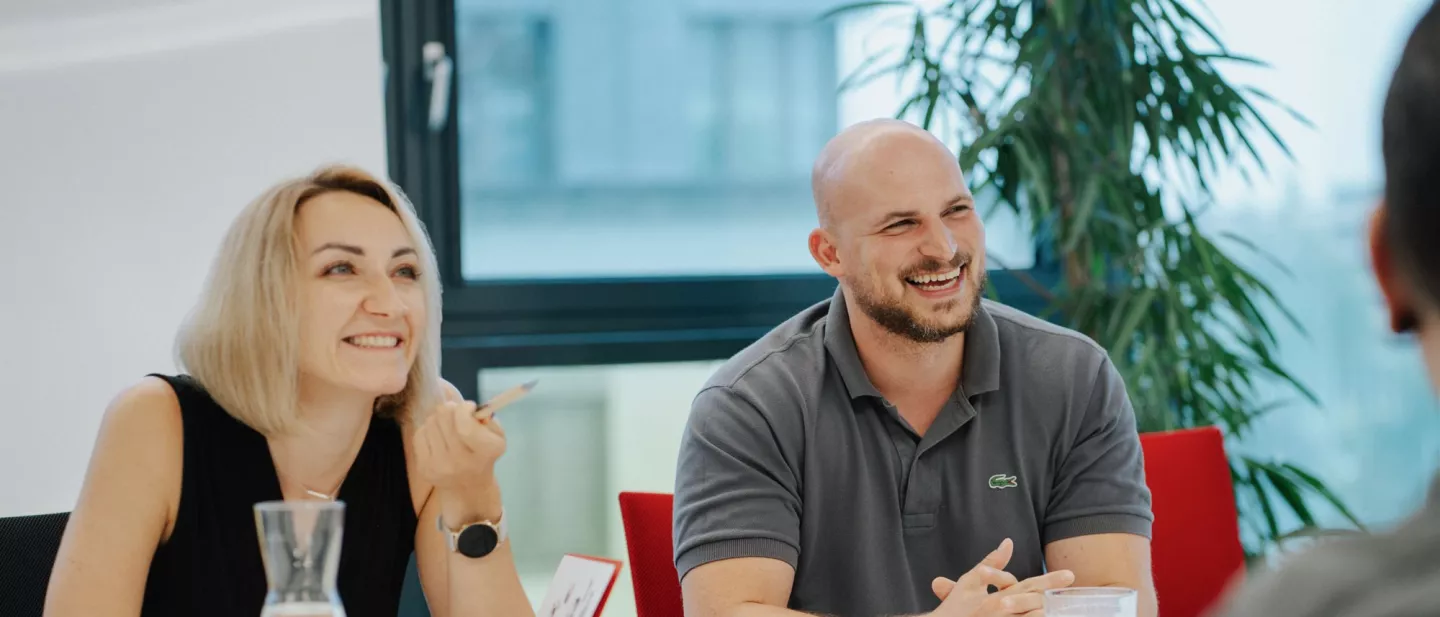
point(382, 342)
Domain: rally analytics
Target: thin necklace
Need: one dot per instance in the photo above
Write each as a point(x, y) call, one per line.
point(319, 495)
point(314, 493)
point(326, 496)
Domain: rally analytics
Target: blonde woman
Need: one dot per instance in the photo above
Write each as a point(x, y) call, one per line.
point(311, 373)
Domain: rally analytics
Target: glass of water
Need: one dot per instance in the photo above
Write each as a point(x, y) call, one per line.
point(300, 545)
point(1090, 602)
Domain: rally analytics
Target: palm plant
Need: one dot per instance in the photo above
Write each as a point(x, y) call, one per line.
point(1104, 123)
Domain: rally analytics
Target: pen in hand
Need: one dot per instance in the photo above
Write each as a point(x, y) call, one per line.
point(503, 399)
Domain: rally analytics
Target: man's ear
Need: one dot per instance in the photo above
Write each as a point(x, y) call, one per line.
point(1399, 300)
point(823, 250)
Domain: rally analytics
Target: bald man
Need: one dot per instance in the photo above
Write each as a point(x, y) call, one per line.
point(905, 446)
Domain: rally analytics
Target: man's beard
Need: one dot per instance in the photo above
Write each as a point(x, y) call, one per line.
point(898, 319)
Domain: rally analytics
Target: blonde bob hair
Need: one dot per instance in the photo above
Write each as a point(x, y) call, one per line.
point(242, 341)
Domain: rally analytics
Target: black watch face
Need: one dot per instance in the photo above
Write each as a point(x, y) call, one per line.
point(477, 541)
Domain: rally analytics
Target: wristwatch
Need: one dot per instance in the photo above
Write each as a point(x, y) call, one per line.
point(474, 539)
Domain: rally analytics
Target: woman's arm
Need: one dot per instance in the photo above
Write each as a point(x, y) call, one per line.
point(456, 585)
point(126, 507)
point(460, 586)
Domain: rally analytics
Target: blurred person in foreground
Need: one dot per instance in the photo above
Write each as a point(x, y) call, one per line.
point(905, 433)
point(312, 373)
point(1394, 574)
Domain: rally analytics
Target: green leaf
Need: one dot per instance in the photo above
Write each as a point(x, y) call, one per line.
point(1289, 492)
point(1319, 487)
point(1185, 14)
point(1084, 208)
point(1138, 309)
point(1227, 57)
point(863, 75)
point(1262, 499)
point(860, 6)
point(1274, 137)
point(1265, 96)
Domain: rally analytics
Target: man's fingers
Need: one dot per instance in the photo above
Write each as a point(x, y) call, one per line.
point(981, 577)
point(1038, 584)
point(942, 587)
point(1002, 580)
point(1000, 557)
point(990, 570)
point(1024, 603)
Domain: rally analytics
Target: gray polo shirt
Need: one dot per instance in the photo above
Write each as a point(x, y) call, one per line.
point(791, 453)
point(1392, 574)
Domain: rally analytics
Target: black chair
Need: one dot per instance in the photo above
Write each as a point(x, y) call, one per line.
point(28, 545)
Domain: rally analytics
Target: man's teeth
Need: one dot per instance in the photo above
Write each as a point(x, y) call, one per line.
point(935, 278)
point(374, 341)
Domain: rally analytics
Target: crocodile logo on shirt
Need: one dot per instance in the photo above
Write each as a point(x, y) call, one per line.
point(1001, 480)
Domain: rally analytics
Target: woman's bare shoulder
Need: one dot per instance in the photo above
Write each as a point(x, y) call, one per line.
point(148, 405)
point(139, 454)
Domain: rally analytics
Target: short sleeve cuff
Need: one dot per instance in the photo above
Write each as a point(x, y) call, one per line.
point(1097, 524)
point(735, 549)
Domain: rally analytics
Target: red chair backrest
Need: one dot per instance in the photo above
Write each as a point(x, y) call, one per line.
point(1196, 548)
point(649, 539)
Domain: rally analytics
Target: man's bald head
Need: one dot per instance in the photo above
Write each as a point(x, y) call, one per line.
point(866, 153)
point(898, 229)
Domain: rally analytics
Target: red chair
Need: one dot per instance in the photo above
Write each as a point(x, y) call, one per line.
point(1196, 549)
point(649, 534)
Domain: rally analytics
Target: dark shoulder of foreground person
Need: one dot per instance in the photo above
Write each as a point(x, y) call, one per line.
point(1390, 574)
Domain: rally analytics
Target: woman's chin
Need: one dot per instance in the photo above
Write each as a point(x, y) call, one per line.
point(379, 385)
point(358, 383)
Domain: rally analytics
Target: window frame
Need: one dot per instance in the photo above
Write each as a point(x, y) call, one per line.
point(557, 322)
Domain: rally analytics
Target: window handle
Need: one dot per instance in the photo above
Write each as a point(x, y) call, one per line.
point(439, 71)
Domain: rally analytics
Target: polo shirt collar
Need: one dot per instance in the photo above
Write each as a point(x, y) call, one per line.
point(840, 343)
point(980, 373)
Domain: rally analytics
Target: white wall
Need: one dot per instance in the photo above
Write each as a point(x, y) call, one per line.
point(130, 133)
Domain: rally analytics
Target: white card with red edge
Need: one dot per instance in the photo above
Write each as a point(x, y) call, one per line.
point(581, 585)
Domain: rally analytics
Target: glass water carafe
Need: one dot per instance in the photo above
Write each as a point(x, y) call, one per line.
point(300, 545)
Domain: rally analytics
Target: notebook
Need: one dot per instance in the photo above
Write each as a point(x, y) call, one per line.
point(580, 587)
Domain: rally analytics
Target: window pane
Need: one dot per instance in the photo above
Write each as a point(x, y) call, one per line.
point(681, 142)
point(583, 436)
point(504, 120)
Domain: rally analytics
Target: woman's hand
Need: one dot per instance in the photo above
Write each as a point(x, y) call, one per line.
point(456, 452)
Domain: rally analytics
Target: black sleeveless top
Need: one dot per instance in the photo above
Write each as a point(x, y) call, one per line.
point(211, 563)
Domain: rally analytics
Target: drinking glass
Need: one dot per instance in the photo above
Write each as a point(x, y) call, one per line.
point(1090, 602)
point(300, 545)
